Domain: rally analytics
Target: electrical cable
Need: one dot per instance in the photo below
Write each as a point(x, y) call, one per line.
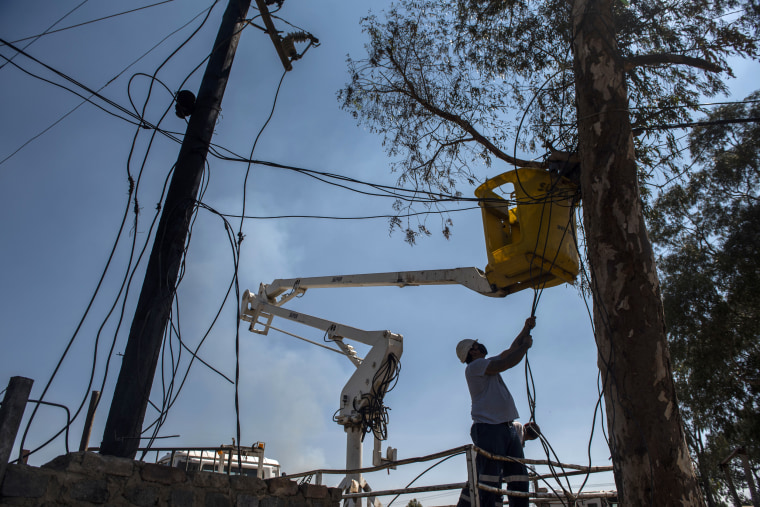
point(48, 32)
point(433, 197)
point(152, 78)
point(598, 405)
point(133, 188)
point(752, 119)
point(167, 400)
point(236, 284)
point(325, 217)
point(136, 210)
point(663, 108)
point(167, 395)
point(423, 473)
point(389, 191)
point(373, 413)
point(66, 427)
point(144, 123)
point(600, 391)
point(65, 115)
point(85, 99)
point(51, 26)
point(538, 290)
point(80, 85)
point(237, 252)
point(76, 331)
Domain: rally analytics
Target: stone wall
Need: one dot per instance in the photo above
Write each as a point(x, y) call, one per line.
point(89, 479)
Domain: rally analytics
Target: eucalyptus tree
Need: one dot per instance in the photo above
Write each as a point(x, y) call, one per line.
point(707, 227)
point(455, 86)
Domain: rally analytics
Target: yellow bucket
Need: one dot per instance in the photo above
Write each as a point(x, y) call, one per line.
point(533, 243)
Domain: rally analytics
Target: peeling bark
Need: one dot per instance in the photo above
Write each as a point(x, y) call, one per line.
point(650, 457)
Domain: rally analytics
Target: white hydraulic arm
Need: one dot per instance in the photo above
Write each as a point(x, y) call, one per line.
point(472, 278)
point(260, 309)
point(361, 406)
point(365, 385)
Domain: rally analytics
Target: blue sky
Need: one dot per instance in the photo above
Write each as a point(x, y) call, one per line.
point(63, 195)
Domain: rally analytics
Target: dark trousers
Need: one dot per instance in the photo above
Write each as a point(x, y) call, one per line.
point(502, 440)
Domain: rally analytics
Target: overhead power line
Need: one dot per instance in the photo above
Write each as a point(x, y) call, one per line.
point(51, 26)
point(412, 195)
point(754, 119)
point(366, 217)
point(83, 86)
point(144, 123)
point(48, 32)
point(674, 126)
point(60, 119)
point(130, 271)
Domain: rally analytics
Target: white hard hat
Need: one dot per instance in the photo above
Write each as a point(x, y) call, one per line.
point(463, 348)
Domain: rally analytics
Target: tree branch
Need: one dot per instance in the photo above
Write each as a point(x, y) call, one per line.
point(666, 58)
point(411, 92)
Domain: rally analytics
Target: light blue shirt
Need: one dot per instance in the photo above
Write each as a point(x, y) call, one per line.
point(492, 402)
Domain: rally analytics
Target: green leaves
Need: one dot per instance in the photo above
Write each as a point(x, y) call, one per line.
point(453, 85)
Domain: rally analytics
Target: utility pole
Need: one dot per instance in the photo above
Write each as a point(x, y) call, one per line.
point(125, 418)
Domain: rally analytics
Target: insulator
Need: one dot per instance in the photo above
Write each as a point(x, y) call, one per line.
point(299, 36)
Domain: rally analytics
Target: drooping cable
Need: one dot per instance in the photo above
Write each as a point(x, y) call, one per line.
point(132, 194)
point(240, 237)
point(65, 115)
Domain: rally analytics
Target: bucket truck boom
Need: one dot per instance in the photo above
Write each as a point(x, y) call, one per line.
point(367, 386)
point(472, 278)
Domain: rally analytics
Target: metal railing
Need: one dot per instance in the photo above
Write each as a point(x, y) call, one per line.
point(559, 494)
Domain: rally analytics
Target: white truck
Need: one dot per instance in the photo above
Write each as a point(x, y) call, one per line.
point(224, 459)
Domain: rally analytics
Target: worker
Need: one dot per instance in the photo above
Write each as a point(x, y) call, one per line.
point(493, 414)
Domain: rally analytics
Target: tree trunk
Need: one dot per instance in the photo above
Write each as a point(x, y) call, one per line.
point(694, 441)
point(650, 457)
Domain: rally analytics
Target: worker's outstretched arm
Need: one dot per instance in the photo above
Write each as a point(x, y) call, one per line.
point(514, 354)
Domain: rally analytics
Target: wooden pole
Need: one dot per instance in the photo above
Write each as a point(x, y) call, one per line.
point(121, 436)
point(11, 412)
point(94, 399)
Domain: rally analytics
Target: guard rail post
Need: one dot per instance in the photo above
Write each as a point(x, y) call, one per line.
point(472, 476)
